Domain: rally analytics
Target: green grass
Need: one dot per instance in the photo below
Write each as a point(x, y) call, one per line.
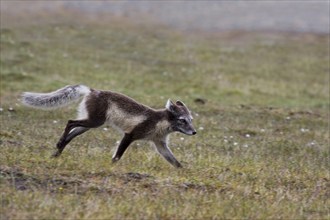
point(262, 145)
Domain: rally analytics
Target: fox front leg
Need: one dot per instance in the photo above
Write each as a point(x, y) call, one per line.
point(125, 142)
point(163, 150)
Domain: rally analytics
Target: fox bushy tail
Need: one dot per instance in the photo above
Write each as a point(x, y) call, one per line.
point(56, 99)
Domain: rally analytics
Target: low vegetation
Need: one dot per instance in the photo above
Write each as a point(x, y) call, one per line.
point(261, 108)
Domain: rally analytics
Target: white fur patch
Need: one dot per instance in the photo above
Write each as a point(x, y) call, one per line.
point(123, 120)
point(168, 104)
point(162, 125)
point(186, 117)
point(162, 129)
point(82, 111)
point(84, 89)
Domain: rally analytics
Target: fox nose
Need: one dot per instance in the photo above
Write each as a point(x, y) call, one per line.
point(194, 132)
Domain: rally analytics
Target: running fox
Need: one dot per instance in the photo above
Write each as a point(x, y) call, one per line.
point(135, 120)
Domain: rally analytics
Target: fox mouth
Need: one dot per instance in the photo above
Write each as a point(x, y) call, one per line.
point(188, 133)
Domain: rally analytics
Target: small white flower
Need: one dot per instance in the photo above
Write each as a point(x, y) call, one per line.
point(117, 142)
point(247, 135)
point(201, 128)
point(312, 143)
point(182, 138)
point(231, 137)
point(226, 141)
point(245, 145)
point(304, 130)
point(288, 118)
point(1, 109)
point(105, 129)
point(262, 130)
point(235, 143)
point(54, 122)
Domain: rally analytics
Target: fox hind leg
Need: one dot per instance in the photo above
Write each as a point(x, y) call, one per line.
point(72, 130)
point(74, 133)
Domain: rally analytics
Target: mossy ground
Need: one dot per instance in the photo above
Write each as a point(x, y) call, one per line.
point(260, 103)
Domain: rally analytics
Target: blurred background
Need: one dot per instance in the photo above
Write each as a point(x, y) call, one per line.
point(251, 52)
point(212, 16)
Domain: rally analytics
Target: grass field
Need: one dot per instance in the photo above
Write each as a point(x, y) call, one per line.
point(261, 108)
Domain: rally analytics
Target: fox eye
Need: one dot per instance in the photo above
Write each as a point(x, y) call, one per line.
point(183, 121)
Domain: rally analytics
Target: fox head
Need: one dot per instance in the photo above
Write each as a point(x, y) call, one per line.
point(181, 118)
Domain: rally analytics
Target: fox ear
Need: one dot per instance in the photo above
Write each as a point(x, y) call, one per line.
point(179, 103)
point(170, 105)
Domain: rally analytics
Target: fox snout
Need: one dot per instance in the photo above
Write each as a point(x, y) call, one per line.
point(184, 125)
point(188, 130)
point(191, 132)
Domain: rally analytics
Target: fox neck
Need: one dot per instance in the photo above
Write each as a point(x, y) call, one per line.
point(162, 124)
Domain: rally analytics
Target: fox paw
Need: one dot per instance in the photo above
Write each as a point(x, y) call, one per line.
point(56, 154)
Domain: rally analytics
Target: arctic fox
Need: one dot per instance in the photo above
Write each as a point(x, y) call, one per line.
point(135, 120)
